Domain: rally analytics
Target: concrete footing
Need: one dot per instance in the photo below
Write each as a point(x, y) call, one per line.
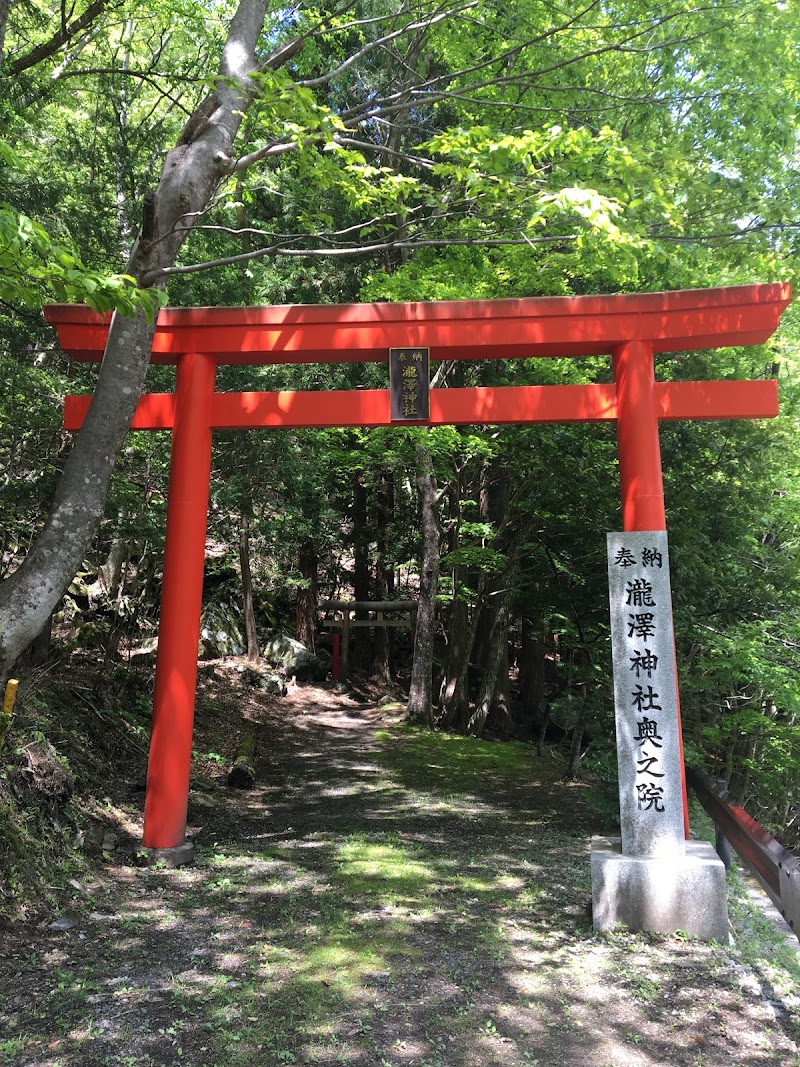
point(662, 894)
point(178, 856)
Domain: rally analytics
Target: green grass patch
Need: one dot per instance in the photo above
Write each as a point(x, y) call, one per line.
point(454, 763)
point(383, 870)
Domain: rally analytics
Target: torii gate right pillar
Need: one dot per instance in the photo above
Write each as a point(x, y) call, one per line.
point(641, 481)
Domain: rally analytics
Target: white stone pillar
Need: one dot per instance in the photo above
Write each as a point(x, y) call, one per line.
point(645, 695)
point(650, 878)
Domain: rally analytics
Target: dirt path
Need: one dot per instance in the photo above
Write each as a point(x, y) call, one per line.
point(377, 900)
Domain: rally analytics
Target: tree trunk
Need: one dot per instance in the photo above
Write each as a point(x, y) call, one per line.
point(191, 174)
point(576, 746)
point(32, 592)
point(360, 657)
point(384, 577)
point(109, 574)
point(531, 676)
point(420, 697)
point(496, 658)
point(454, 694)
point(306, 604)
point(492, 638)
point(242, 774)
point(40, 646)
point(540, 740)
point(493, 507)
point(4, 5)
point(454, 706)
point(247, 587)
point(462, 627)
point(500, 715)
point(485, 512)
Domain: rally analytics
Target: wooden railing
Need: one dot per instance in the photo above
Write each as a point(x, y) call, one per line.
point(777, 870)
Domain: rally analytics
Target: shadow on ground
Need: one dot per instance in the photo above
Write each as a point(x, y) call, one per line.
point(385, 897)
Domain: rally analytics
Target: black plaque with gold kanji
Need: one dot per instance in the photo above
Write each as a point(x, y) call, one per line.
point(410, 384)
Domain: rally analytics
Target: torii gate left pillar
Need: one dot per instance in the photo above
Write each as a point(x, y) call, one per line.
point(630, 328)
point(168, 769)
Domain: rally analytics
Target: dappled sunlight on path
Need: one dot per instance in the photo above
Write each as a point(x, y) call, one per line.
point(383, 897)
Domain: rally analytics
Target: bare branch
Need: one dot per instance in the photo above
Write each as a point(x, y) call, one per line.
point(288, 245)
point(282, 249)
point(411, 96)
point(274, 148)
point(65, 34)
point(4, 5)
point(382, 149)
point(436, 89)
point(380, 42)
point(149, 77)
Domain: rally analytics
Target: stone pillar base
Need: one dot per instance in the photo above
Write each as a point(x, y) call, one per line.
point(179, 856)
point(665, 895)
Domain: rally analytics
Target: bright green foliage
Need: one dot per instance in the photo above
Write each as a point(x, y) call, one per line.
point(33, 268)
point(509, 150)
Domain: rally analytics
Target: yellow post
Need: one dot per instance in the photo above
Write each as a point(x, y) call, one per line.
point(8, 708)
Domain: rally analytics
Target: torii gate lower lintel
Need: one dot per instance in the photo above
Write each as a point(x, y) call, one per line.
point(629, 328)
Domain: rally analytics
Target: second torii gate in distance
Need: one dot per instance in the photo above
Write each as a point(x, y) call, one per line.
point(629, 328)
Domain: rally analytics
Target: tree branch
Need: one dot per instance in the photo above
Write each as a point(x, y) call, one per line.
point(149, 77)
point(436, 89)
point(4, 5)
point(61, 37)
point(380, 42)
point(281, 249)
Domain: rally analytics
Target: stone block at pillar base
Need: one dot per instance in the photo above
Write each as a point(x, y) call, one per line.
point(179, 856)
point(662, 894)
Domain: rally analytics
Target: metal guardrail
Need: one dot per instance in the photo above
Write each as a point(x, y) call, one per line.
point(777, 870)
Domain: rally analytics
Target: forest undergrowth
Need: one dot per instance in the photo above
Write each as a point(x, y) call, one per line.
point(384, 895)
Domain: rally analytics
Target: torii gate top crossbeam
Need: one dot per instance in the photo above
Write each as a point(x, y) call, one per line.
point(683, 320)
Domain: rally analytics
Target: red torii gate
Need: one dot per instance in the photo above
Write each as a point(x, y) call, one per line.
point(629, 328)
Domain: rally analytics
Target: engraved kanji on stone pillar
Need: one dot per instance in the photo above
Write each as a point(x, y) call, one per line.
point(645, 694)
